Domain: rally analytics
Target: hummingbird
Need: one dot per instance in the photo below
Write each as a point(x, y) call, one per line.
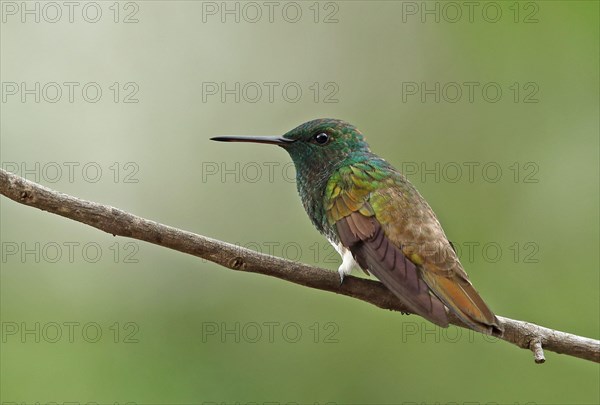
point(377, 221)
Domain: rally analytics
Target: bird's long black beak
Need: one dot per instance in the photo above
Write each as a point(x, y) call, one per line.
point(273, 140)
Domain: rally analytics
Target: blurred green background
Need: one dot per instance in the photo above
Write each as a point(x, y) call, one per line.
point(87, 317)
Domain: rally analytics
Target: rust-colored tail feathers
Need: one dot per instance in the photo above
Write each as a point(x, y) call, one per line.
point(458, 294)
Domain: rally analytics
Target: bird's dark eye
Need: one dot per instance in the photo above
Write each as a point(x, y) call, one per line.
point(321, 138)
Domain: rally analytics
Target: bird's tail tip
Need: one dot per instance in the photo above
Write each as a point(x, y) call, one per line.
point(466, 304)
point(493, 328)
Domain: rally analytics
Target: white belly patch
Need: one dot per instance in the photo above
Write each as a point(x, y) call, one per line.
point(348, 262)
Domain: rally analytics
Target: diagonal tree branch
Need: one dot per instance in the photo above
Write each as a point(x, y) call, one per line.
point(117, 222)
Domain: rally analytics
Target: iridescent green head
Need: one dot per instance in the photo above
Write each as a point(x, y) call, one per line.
point(321, 143)
point(318, 148)
point(324, 142)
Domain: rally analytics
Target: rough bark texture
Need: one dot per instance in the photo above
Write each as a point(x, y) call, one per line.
point(117, 222)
